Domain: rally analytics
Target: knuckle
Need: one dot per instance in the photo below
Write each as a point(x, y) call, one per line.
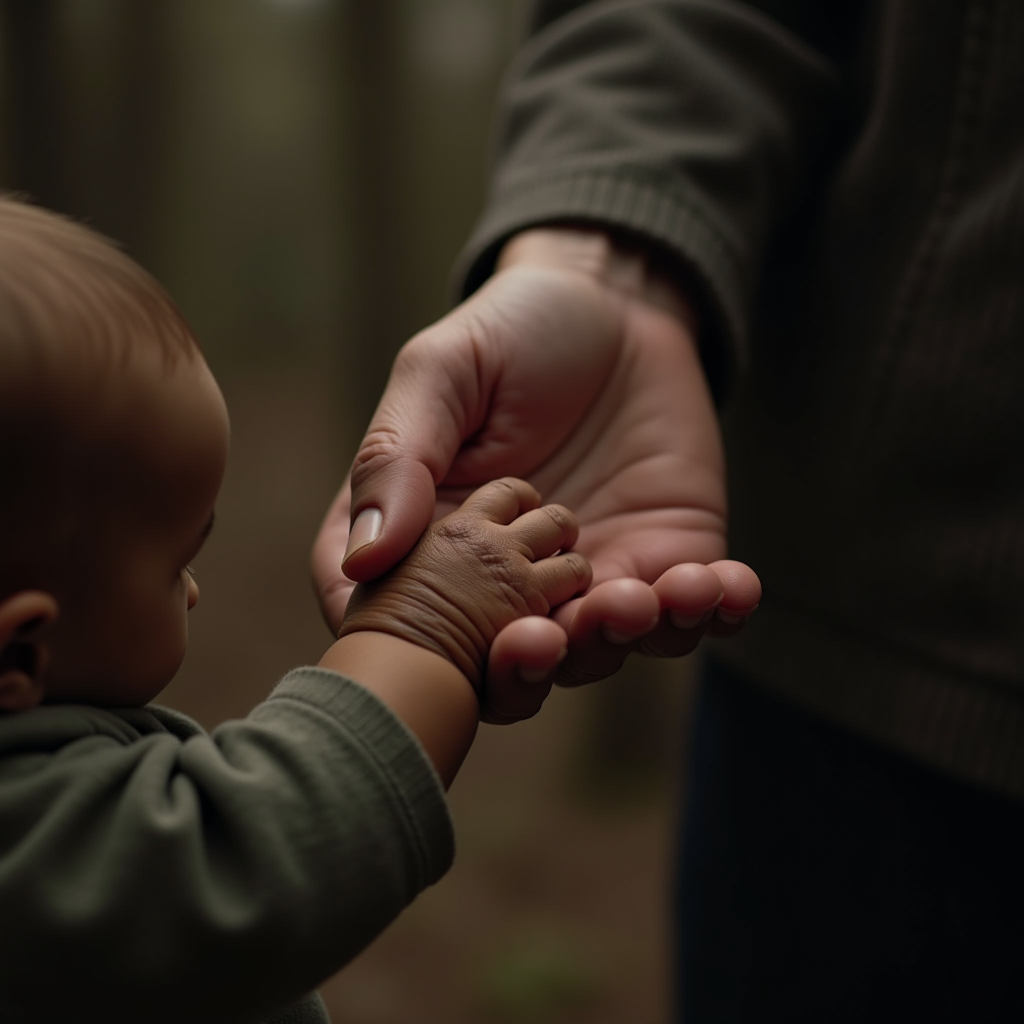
point(416, 352)
point(579, 566)
point(507, 483)
point(447, 343)
point(380, 447)
point(459, 529)
point(561, 516)
point(472, 543)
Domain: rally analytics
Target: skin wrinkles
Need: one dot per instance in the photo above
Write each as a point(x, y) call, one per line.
point(482, 554)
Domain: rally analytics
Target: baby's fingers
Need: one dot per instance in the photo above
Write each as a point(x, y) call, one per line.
point(562, 577)
point(545, 530)
point(504, 500)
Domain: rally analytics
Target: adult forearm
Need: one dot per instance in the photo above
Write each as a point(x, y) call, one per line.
point(694, 126)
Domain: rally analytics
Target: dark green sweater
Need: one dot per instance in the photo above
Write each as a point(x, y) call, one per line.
point(845, 183)
point(151, 872)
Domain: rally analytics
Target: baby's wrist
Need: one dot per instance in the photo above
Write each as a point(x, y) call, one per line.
point(375, 654)
point(464, 657)
point(424, 689)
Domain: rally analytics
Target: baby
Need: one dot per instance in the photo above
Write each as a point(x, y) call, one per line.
point(150, 871)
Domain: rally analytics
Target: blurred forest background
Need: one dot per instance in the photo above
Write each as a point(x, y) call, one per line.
point(300, 174)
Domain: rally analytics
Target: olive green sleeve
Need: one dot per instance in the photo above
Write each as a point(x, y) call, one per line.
point(149, 871)
point(697, 125)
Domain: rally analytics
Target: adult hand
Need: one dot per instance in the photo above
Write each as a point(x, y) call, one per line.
point(575, 367)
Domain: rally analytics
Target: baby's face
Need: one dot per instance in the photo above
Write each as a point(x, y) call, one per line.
point(122, 628)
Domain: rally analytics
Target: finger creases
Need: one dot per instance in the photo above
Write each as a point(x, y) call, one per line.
point(503, 500)
point(545, 530)
point(562, 577)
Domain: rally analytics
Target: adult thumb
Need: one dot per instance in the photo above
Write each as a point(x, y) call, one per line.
point(425, 414)
point(392, 503)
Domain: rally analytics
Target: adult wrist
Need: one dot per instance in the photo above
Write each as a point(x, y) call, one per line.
point(628, 264)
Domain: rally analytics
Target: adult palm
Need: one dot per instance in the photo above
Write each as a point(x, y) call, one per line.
point(576, 369)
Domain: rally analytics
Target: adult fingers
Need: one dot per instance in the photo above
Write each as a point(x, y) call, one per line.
point(741, 596)
point(520, 668)
point(700, 600)
point(430, 405)
point(667, 619)
point(602, 628)
point(688, 595)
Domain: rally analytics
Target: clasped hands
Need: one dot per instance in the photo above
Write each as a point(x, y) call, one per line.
point(576, 369)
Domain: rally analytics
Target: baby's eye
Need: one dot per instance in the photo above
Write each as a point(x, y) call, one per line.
point(190, 570)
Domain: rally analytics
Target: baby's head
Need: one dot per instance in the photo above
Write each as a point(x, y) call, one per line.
point(113, 443)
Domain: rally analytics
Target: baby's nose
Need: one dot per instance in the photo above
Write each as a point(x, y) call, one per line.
point(193, 593)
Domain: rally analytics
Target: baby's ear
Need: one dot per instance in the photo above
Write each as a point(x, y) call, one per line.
point(22, 657)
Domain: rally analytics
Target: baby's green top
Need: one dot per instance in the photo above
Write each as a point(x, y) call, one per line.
point(149, 870)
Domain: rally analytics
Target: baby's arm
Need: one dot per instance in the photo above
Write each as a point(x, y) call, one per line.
point(418, 637)
point(169, 873)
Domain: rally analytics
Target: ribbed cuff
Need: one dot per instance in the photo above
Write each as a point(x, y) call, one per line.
point(397, 755)
point(631, 203)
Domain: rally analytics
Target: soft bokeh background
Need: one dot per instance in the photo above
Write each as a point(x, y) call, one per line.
point(301, 174)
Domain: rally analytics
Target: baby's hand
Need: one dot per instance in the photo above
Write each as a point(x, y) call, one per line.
point(493, 560)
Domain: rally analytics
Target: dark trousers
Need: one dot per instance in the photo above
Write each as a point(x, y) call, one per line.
point(823, 878)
